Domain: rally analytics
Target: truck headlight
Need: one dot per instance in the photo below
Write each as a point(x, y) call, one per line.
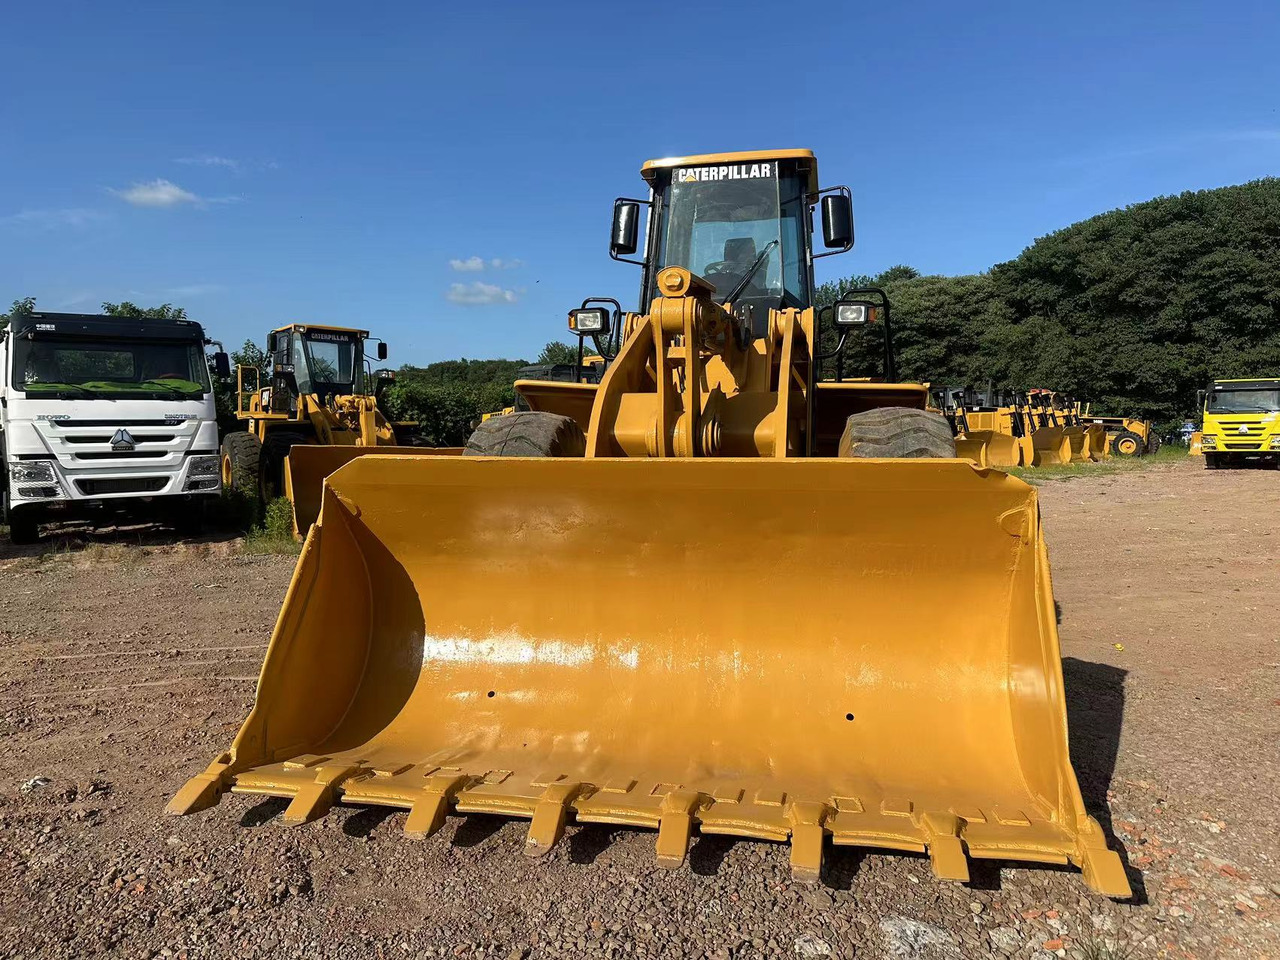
point(1275, 442)
point(205, 466)
point(32, 471)
point(1208, 441)
point(203, 473)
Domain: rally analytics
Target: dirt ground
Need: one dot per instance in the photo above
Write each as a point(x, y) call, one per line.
point(126, 668)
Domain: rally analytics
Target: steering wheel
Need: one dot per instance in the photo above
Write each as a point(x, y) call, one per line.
point(718, 267)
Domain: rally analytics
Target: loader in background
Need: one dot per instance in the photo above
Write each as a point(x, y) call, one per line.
point(717, 610)
point(318, 411)
point(988, 431)
point(1125, 436)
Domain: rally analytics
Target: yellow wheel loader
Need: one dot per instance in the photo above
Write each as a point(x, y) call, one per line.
point(720, 608)
point(1049, 441)
point(317, 411)
point(988, 433)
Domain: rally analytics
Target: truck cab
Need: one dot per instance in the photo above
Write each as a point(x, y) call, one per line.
point(100, 411)
point(1241, 422)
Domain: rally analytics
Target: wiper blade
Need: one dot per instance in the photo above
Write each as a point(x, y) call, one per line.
point(742, 284)
point(60, 389)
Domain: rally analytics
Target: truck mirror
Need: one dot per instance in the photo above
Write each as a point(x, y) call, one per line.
point(382, 350)
point(271, 343)
point(1199, 399)
point(221, 366)
point(837, 221)
point(626, 228)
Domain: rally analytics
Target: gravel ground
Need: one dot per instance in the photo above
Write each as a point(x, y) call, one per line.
point(126, 667)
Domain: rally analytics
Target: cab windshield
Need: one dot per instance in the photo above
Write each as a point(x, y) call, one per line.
point(80, 367)
point(1245, 400)
point(328, 363)
point(718, 221)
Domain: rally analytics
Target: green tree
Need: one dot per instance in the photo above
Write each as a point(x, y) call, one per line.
point(558, 352)
point(20, 308)
point(166, 311)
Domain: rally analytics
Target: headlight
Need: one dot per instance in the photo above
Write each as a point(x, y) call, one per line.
point(1275, 442)
point(1208, 441)
point(203, 466)
point(852, 313)
point(32, 471)
point(589, 320)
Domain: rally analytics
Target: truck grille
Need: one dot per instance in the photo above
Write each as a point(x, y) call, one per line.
point(99, 487)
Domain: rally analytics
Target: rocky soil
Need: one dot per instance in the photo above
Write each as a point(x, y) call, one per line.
point(125, 667)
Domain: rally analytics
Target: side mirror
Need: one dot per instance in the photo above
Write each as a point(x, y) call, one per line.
point(271, 343)
point(1200, 399)
point(382, 350)
point(626, 228)
point(837, 221)
point(854, 313)
point(221, 366)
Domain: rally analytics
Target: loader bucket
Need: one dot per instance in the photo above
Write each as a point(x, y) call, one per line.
point(972, 446)
point(1051, 446)
point(760, 648)
point(1077, 444)
point(1096, 434)
point(307, 465)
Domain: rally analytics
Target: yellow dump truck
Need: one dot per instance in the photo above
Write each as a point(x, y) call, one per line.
point(1240, 422)
point(721, 606)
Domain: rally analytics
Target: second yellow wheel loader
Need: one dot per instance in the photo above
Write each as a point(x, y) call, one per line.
point(318, 411)
point(720, 608)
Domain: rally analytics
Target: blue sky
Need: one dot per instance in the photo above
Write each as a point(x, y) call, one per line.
point(443, 174)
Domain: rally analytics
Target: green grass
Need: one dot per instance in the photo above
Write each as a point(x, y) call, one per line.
point(275, 533)
point(1093, 947)
point(1168, 453)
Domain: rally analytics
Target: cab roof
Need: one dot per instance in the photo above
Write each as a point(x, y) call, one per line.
point(1266, 383)
point(650, 169)
point(304, 327)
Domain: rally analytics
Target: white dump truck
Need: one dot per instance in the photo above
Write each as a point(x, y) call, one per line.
point(99, 412)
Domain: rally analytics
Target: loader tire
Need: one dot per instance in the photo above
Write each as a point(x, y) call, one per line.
point(1128, 444)
point(1153, 444)
point(527, 434)
point(897, 433)
point(271, 463)
point(241, 453)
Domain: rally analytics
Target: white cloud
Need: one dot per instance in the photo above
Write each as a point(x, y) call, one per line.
point(48, 219)
point(475, 293)
point(156, 193)
point(194, 290)
point(209, 160)
point(476, 264)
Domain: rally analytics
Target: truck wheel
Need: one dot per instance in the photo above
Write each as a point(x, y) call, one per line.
point(527, 434)
point(1211, 461)
point(1128, 444)
point(24, 526)
point(241, 456)
point(897, 433)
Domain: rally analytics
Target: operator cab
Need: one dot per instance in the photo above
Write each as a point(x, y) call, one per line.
point(741, 221)
point(324, 361)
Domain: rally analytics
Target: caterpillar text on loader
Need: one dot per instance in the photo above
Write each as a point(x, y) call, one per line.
point(719, 608)
point(317, 412)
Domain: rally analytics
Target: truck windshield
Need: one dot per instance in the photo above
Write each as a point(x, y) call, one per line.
point(84, 367)
point(330, 362)
point(718, 220)
point(1244, 400)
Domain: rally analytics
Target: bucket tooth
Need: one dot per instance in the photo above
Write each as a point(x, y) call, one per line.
point(203, 790)
point(946, 851)
point(675, 825)
point(807, 836)
point(1102, 867)
point(314, 799)
point(427, 814)
point(549, 816)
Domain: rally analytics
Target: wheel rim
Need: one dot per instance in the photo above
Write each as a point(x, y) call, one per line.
point(1128, 447)
point(226, 471)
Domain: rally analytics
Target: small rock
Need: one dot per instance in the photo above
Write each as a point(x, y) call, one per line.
point(976, 906)
point(913, 940)
point(1051, 945)
point(809, 945)
point(35, 783)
